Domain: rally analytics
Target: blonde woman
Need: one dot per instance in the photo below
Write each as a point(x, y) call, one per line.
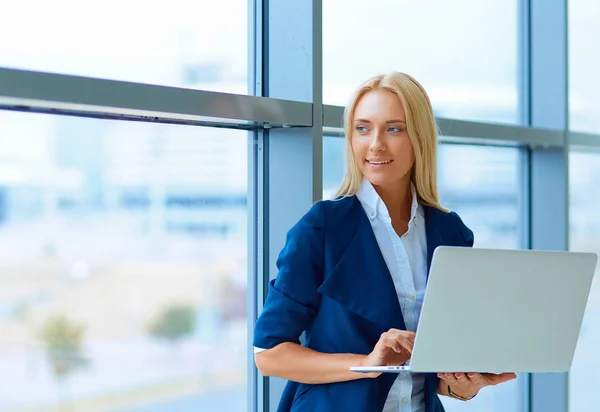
point(353, 272)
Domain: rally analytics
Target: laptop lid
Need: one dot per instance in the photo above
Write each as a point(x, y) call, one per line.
point(502, 310)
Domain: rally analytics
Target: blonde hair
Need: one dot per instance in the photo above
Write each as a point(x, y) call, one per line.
point(422, 132)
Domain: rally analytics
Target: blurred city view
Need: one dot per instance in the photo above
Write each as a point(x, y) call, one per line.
point(123, 258)
point(123, 266)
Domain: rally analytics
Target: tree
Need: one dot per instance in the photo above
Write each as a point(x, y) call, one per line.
point(63, 341)
point(173, 323)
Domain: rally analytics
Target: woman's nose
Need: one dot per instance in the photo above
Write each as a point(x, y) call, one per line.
point(377, 143)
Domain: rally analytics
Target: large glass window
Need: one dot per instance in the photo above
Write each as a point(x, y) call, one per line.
point(482, 185)
point(193, 44)
point(584, 177)
point(584, 60)
point(122, 266)
point(448, 49)
point(333, 164)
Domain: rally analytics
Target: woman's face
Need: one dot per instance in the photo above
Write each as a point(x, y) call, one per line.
point(380, 143)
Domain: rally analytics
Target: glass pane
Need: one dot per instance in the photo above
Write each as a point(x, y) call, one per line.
point(185, 43)
point(584, 221)
point(482, 185)
point(465, 55)
point(333, 164)
point(584, 84)
point(122, 266)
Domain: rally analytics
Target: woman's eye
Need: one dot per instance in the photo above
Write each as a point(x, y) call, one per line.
point(395, 129)
point(361, 129)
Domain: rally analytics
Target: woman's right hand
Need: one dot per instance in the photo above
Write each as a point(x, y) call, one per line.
point(393, 348)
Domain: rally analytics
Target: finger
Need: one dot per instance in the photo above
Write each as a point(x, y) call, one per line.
point(401, 354)
point(449, 378)
point(399, 348)
point(387, 341)
point(462, 378)
point(501, 378)
point(399, 343)
point(495, 379)
point(391, 342)
point(406, 344)
point(478, 379)
point(396, 333)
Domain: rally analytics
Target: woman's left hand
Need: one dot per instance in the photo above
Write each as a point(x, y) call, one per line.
point(469, 384)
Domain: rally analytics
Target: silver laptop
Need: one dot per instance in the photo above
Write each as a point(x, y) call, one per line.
point(500, 311)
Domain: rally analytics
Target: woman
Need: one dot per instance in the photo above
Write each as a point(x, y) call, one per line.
point(353, 272)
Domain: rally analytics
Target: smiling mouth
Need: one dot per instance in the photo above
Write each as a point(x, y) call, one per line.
point(379, 162)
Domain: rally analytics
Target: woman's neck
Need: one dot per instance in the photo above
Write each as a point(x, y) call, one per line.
point(397, 199)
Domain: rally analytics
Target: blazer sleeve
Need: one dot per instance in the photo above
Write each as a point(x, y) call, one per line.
point(466, 233)
point(292, 299)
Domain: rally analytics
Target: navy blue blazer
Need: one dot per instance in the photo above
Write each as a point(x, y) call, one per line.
point(333, 283)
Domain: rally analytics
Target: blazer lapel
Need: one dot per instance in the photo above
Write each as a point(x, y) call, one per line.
point(432, 232)
point(361, 281)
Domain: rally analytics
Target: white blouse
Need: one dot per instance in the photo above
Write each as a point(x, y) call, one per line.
point(406, 259)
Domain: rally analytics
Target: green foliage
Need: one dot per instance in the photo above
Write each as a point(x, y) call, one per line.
point(174, 323)
point(63, 338)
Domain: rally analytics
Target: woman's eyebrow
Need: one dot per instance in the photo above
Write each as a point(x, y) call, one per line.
point(387, 121)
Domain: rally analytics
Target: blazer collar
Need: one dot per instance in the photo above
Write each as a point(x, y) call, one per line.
point(432, 232)
point(361, 282)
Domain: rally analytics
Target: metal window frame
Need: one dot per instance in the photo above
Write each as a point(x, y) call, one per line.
point(24, 90)
point(474, 132)
point(286, 121)
point(549, 167)
point(292, 156)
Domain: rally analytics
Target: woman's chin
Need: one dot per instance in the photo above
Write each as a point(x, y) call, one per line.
point(380, 179)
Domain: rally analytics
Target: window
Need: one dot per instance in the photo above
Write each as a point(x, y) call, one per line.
point(448, 50)
point(164, 44)
point(584, 175)
point(584, 86)
point(123, 265)
point(333, 165)
point(482, 185)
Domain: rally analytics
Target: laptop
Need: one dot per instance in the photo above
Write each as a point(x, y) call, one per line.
point(494, 311)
